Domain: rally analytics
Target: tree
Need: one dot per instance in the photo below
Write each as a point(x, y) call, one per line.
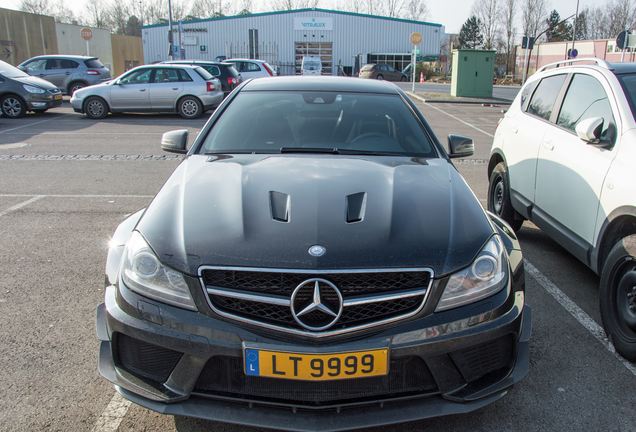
point(97, 13)
point(620, 15)
point(133, 26)
point(210, 8)
point(294, 4)
point(393, 8)
point(416, 10)
point(487, 13)
point(533, 14)
point(598, 27)
point(470, 35)
point(558, 30)
point(581, 25)
point(508, 17)
point(56, 9)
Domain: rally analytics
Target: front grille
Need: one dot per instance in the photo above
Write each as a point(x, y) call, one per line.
point(283, 283)
point(143, 359)
point(224, 376)
point(247, 295)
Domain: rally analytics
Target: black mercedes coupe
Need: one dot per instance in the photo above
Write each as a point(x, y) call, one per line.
point(315, 263)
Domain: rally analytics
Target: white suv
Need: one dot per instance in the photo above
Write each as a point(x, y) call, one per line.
point(564, 157)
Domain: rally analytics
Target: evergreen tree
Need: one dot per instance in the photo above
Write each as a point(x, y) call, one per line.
point(470, 35)
point(558, 31)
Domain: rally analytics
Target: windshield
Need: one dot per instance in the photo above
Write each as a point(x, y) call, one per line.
point(628, 81)
point(9, 71)
point(312, 65)
point(347, 123)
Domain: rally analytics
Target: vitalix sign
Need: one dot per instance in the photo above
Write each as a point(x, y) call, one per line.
point(313, 23)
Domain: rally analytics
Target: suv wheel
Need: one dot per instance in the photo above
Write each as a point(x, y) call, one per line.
point(380, 77)
point(190, 107)
point(12, 106)
point(95, 108)
point(75, 86)
point(618, 296)
point(499, 197)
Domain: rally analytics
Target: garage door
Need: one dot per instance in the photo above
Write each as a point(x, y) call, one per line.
point(324, 50)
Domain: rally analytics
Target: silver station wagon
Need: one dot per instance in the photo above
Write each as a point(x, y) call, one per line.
point(187, 90)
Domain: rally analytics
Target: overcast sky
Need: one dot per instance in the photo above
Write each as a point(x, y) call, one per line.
point(450, 13)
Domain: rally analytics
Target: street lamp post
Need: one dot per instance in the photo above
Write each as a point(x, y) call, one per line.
point(170, 44)
point(576, 19)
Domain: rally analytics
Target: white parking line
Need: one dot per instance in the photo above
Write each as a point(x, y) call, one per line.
point(579, 314)
point(76, 196)
point(450, 115)
point(29, 125)
point(20, 205)
point(113, 414)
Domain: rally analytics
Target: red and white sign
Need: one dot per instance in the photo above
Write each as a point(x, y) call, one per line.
point(87, 34)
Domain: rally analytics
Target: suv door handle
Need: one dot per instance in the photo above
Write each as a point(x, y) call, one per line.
point(142, 89)
point(67, 73)
point(175, 88)
point(548, 145)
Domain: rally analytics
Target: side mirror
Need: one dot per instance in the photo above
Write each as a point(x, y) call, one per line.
point(589, 130)
point(460, 146)
point(175, 141)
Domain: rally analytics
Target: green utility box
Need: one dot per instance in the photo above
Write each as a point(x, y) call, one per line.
point(473, 72)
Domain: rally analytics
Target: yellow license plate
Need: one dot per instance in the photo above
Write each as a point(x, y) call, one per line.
point(58, 96)
point(316, 367)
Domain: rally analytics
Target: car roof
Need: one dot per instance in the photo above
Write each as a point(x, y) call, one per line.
point(321, 83)
point(168, 66)
point(623, 68)
point(197, 62)
point(246, 60)
point(63, 56)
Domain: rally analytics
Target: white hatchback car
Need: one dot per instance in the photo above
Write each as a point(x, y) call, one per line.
point(564, 157)
point(251, 68)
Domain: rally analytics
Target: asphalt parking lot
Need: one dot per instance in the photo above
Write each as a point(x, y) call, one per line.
point(66, 182)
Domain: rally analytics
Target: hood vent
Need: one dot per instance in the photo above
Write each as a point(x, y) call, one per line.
point(356, 206)
point(280, 205)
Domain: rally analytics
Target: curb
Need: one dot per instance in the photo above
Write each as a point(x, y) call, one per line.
point(488, 102)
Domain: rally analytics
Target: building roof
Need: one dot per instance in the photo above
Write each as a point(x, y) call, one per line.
point(332, 11)
point(321, 83)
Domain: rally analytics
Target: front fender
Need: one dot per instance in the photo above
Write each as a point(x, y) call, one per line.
point(511, 243)
point(116, 246)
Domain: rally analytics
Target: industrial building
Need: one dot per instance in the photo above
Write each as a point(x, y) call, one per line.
point(343, 40)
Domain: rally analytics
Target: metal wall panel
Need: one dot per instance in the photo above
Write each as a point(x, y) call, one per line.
point(351, 35)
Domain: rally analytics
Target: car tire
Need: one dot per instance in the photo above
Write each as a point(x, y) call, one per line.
point(95, 108)
point(190, 107)
point(13, 106)
point(499, 197)
point(380, 77)
point(618, 296)
point(74, 86)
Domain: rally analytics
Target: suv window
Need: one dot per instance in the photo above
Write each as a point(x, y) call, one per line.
point(36, 65)
point(213, 69)
point(543, 99)
point(61, 64)
point(140, 76)
point(183, 75)
point(252, 67)
point(585, 99)
point(232, 71)
point(94, 63)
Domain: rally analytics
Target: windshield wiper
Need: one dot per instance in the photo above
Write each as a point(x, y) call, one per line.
point(326, 150)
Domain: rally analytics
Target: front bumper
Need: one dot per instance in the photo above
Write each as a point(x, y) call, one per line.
point(197, 338)
point(37, 102)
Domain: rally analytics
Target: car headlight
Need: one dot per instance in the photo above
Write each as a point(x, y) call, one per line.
point(33, 89)
point(484, 277)
point(143, 273)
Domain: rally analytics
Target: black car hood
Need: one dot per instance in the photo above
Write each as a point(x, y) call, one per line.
point(220, 210)
point(35, 81)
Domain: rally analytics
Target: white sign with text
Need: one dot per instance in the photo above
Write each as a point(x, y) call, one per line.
point(313, 23)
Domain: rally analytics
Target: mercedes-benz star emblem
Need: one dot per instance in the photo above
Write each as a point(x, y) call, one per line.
point(316, 304)
point(317, 251)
